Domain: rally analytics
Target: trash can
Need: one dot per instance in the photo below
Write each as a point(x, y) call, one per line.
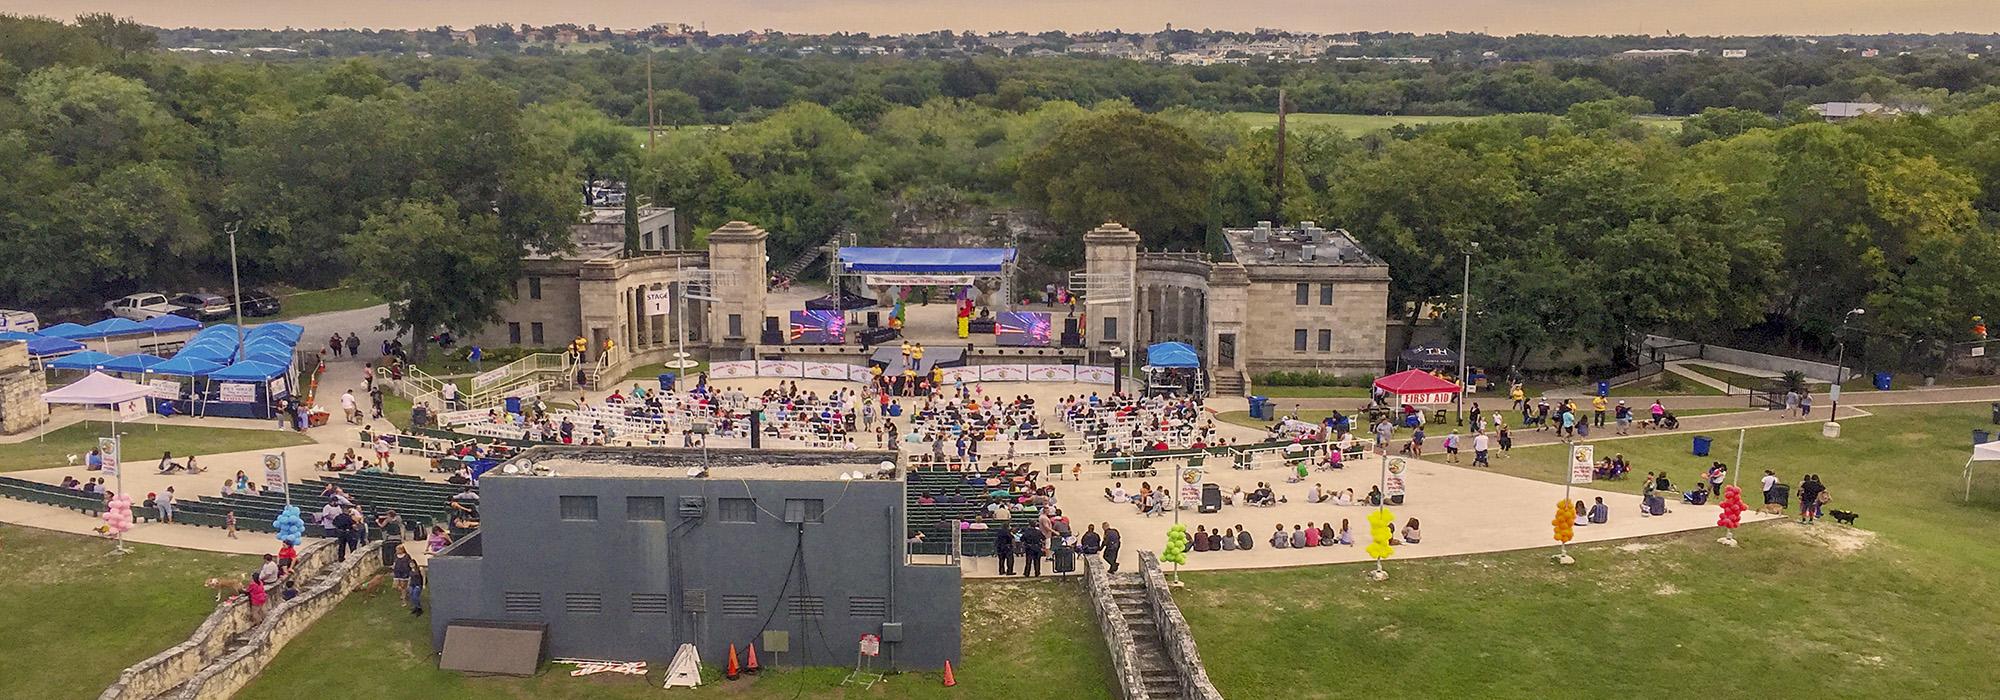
point(513, 404)
point(1881, 381)
point(667, 381)
point(1065, 559)
point(1604, 388)
point(1257, 405)
point(1979, 437)
point(1701, 443)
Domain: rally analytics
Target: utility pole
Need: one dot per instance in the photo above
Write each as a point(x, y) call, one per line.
point(1278, 188)
point(651, 116)
point(1464, 315)
point(235, 283)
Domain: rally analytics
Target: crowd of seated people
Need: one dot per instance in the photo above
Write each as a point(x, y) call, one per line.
point(1614, 467)
point(1298, 537)
point(1122, 422)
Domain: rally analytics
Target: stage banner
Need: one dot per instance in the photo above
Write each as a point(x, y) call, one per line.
point(954, 375)
point(1003, 373)
point(1091, 374)
point(860, 373)
point(917, 280)
point(837, 371)
point(792, 369)
point(280, 385)
point(659, 302)
point(488, 378)
point(734, 369)
point(1051, 373)
point(236, 392)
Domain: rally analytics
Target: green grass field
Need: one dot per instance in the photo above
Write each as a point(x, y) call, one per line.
point(1664, 384)
point(142, 445)
point(1021, 640)
point(1905, 605)
point(323, 300)
point(1358, 124)
point(76, 617)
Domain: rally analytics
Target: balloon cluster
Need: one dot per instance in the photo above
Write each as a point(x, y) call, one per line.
point(118, 518)
point(1565, 521)
point(1732, 507)
point(1177, 542)
point(291, 529)
point(1381, 529)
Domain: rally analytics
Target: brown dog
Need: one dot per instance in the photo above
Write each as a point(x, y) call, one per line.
point(226, 587)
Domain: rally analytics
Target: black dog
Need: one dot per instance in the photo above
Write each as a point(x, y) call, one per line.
point(1844, 517)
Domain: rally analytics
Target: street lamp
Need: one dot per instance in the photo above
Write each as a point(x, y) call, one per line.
point(1840, 361)
point(1117, 369)
point(756, 407)
point(1464, 312)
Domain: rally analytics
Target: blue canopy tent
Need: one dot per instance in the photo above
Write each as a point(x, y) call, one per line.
point(1172, 367)
point(1176, 354)
point(39, 346)
point(68, 331)
point(116, 326)
point(137, 363)
point(266, 382)
point(288, 332)
point(86, 360)
point(183, 366)
point(170, 324)
point(962, 261)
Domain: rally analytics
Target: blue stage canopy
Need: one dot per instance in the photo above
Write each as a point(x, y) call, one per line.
point(964, 261)
point(1172, 355)
point(69, 331)
point(117, 326)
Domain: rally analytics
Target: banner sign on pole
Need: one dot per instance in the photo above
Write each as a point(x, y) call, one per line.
point(107, 451)
point(1582, 463)
point(1430, 398)
point(237, 392)
point(274, 471)
point(659, 302)
point(1397, 466)
point(871, 645)
point(165, 388)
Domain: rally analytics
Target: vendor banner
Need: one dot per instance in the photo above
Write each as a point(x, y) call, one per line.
point(1397, 467)
point(1582, 463)
point(132, 410)
point(488, 378)
point(165, 388)
point(1051, 373)
point(1092, 374)
point(792, 369)
point(733, 369)
point(236, 392)
point(859, 373)
point(954, 375)
point(280, 386)
point(107, 454)
point(1003, 373)
point(836, 371)
point(274, 472)
point(916, 280)
point(1430, 398)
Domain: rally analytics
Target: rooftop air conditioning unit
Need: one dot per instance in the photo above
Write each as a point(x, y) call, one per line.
point(1266, 225)
point(1260, 235)
point(1306, 252)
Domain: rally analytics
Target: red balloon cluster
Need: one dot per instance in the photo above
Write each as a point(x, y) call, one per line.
point(1732, 507)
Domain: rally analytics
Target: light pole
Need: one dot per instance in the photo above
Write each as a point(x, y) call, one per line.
point(235, 283)
point(1464, 314)
point(1840, 362)
point(1117, 369)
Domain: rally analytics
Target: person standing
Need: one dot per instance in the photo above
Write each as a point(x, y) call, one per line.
point(1716, 474)
point(353, 344)
point(1805, 405)
point(1791, 403)
point(1112, 541)
point(416, 595)
point(336, 344)
point(1770, 481)
point(1003, 547)
point(349, 408)
point(1479, 446)
point(343, 529)
point(1032, 548)
point(402, 571)
point(167, 505)
point(1598, 405)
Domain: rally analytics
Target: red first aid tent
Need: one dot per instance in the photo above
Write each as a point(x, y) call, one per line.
point(1416, 386)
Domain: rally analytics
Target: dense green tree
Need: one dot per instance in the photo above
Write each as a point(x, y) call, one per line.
point(1127, 167)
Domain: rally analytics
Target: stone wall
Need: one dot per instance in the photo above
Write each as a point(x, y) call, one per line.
point(286, 620)
point(182, 661)
point(21, 389)
point(1174, 631)
point(1117, 634)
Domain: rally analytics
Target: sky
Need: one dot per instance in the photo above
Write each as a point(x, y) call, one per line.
point(1575, 17)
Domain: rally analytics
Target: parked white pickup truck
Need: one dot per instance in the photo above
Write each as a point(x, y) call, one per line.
point(143, 306)
point(19, 321)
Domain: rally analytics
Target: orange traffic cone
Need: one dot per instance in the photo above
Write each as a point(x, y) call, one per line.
point(752, 667)
point(733, 672)
point(949, 681)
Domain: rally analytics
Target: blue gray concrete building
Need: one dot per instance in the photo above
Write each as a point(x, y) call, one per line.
point(625, 556)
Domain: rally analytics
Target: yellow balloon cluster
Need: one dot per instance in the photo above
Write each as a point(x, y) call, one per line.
point(1565, 521)
point(1381, 527)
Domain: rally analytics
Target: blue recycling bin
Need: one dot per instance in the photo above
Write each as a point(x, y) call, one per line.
point(1881, 381)
point(1259, 407)
point(1980, 437)
point(1604, 388)
point(513, 404)
point(667, 381)
point(1701, 443)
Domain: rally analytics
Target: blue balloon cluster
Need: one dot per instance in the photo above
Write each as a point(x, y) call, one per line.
point(291, 529)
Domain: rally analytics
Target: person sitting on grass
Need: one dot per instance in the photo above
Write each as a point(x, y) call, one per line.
point(1279, 538)
point(168, 465)
point(1411, 535)
point(1244, 541)
point(1226, 540)
point(1599, 514)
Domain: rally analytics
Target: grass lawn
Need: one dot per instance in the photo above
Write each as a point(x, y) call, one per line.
point(143, 444)
point(396, 409)
point(1310, 392)
point(1906, 605)
point(76, 617)
point(1021, 640)
point(323, 300)
point(1740, 380)
point(1664, 384)
point(1358, 124)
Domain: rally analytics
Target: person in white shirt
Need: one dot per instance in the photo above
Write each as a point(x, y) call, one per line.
point(348, 407)
point(1770, 481)
point(1479, 445)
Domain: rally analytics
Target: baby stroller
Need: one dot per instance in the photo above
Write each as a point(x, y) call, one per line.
point(1668, 421)
point(1695, 497)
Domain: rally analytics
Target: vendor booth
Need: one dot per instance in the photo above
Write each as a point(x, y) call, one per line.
point(245, 390)
point(1173, 368)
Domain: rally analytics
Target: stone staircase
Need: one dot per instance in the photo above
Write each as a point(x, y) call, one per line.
point(1227, 383)
point(1153, 654)
point(798, 265)
point(1158, 678)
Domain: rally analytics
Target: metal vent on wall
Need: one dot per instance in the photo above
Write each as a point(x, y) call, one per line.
point(692, 506)
point(808, 606)
point(651, 604)
point(694, 600)
point(583, 603)
point(739, 605)
point(867, 606)
point(521, 603)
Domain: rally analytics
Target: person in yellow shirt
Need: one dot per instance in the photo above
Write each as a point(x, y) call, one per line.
point(1597, 407)
point(909, 381)
point(1519, 394)
point(917, 352)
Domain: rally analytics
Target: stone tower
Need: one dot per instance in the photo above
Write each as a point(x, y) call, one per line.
point(737, 259)
point(1110, 260)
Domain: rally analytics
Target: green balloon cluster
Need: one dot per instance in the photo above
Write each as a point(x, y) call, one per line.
point(1177, 542)
point(1381, 528)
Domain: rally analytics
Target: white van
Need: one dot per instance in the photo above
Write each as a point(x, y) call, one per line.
point(19, 321)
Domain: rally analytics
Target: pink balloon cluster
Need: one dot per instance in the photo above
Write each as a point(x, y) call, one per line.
point(119, 518)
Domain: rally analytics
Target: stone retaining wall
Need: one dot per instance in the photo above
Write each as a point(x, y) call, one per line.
point(182, 661)
point(1117, 634)
point(1174, 632)
point(229, 674)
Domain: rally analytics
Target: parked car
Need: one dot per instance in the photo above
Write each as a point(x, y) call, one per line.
point(12, 321)
point(143, 306)
point(260, 303)
point(204, 306)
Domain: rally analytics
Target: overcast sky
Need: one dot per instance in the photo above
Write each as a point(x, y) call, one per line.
point(892, 16)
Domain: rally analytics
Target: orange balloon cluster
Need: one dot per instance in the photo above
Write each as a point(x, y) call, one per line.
point(1565, 521)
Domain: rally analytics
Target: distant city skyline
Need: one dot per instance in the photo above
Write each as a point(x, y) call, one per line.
point(1572, 17)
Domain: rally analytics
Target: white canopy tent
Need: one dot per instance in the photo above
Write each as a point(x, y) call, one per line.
point(98, 389)
point(1986, 452)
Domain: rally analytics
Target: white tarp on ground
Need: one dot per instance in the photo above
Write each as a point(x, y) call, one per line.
point(98, 389)
point(1985, 452)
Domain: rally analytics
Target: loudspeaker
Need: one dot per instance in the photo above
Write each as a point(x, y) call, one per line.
point(1070, 326)
point(1072, 335)
point(874, 319)
point(773, 336)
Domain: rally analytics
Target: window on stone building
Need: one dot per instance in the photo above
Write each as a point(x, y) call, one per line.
point(1298, 340)
point(578, 507)
point(513, 333)
point(1302, 294)
point(1111, 328)
point(1325, 340)
point(645, 508)
point(1326, 295)
point(535, 332)
point(736, 325)
point(534, 287)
